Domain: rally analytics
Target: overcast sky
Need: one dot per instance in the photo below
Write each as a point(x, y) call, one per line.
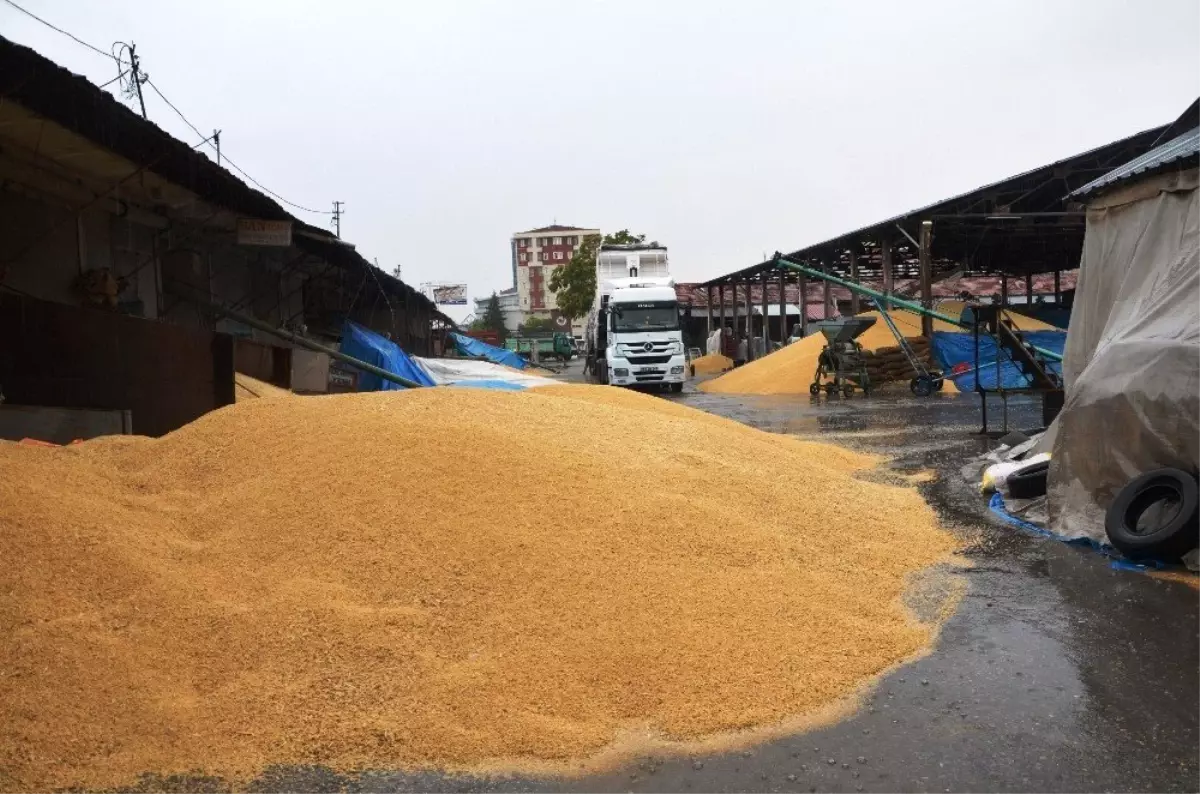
point(722, 129)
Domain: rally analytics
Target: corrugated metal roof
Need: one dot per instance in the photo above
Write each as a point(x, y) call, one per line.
point(1185, 146)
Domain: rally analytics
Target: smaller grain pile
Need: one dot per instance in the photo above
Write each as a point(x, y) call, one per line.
point(248, 388)
point(712, 363)
point(790, 369)
point(346, 580)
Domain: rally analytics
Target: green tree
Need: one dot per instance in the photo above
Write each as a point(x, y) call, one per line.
point(493, 318)
point(538, 324)
point(624, 237)
point(574, 284)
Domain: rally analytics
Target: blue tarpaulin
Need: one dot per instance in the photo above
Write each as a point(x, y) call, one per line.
point(476, 349)
point(950, 348)
point(380, 351)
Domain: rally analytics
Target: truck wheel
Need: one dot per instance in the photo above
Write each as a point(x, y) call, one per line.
point(676, 388)
point(814, 389)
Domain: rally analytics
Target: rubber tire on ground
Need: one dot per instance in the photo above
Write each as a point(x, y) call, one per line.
point(940, 384)
point(1171, 540)
point(921, 386)
point(831, 389)
point(1029, 483)
point(848, 390)
point(676, 388)
point(814, 389)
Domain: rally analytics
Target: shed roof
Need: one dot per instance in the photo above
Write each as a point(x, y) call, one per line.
point(71, 101)
point(1182, 151)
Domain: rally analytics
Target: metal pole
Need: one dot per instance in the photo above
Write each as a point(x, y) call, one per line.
point(826, 294)
point(766, 315)
point(1057, 290)
point(749, 331)
point(1028, 290)
point(709, 295)
point(854, 308)
point(802, 284)
point(885, 261)
point(1003, 289)
point(783, 329)
point(926, 277)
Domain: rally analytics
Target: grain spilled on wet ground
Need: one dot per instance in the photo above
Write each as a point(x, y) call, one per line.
point(374, 581)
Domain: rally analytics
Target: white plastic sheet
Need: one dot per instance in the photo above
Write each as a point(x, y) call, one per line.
point(1132, 358)
point(461, 371)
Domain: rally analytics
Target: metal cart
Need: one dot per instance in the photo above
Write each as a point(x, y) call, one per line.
point(841, 366)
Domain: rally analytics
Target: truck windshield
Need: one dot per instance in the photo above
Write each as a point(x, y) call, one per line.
point(646, 317)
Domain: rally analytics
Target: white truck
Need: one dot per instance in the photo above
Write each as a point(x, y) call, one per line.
point(634, 337)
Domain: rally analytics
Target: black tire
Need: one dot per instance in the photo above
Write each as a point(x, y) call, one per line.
point(676, 388)
point(1030, 482)
point(922, 386)
point(814, 389)
point(1172, 532)
point(830, 389)
point(939, 384)
point(848, 390)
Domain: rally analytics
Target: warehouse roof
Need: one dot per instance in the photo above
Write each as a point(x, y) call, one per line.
point(1183, 151)
point(1017, 225)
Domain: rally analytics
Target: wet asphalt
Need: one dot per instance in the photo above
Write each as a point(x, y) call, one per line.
point(1056, 672)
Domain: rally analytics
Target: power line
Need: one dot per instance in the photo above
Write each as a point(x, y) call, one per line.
point(227, 160)
point(69, 35)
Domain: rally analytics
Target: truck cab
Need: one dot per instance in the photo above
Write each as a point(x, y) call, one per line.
point(638, 337)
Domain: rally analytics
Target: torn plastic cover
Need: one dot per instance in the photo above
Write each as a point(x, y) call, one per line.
point(1132, 357)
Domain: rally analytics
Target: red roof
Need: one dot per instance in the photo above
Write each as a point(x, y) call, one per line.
point(556, 228)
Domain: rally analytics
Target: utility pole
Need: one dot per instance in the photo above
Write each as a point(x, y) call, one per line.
point(337, 218)
point(137, 76)
point(217, 143)
point(396, 271)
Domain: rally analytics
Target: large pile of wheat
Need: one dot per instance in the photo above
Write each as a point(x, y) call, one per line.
point(364, 581)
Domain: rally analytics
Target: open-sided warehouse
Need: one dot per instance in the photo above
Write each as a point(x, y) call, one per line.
point(1013, 230)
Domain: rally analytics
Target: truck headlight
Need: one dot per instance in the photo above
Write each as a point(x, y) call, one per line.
point(676, 370)
point(620, 373)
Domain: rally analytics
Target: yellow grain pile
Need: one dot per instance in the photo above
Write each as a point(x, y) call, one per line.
point(790, 369)
point(350, 581)
point(248, 388)
point(712, 363)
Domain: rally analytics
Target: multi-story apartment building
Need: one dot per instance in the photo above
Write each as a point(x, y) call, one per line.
point(535, 255)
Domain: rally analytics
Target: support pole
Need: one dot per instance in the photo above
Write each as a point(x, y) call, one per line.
point(783, 329)
point(926, 277)
point(827, 294)
point(885, 261)
point(803, 284)
point(721, 291)
point(709, 294)
point(1003, 289)
point(749, 334)
point(854, 307)
point(766, 315)
point(1057, 289)
point(1028, 290)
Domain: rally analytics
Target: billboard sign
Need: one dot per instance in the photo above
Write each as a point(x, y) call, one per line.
point(450, 294)
point(255, 232)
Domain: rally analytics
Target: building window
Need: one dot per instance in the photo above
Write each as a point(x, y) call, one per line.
point(558, 254)
point(545, 257)
point(558, 241)
point(522, 243)
point(570, 241)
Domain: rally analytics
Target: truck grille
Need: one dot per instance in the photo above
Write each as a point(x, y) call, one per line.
point(648, 376)
point(648, 359)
